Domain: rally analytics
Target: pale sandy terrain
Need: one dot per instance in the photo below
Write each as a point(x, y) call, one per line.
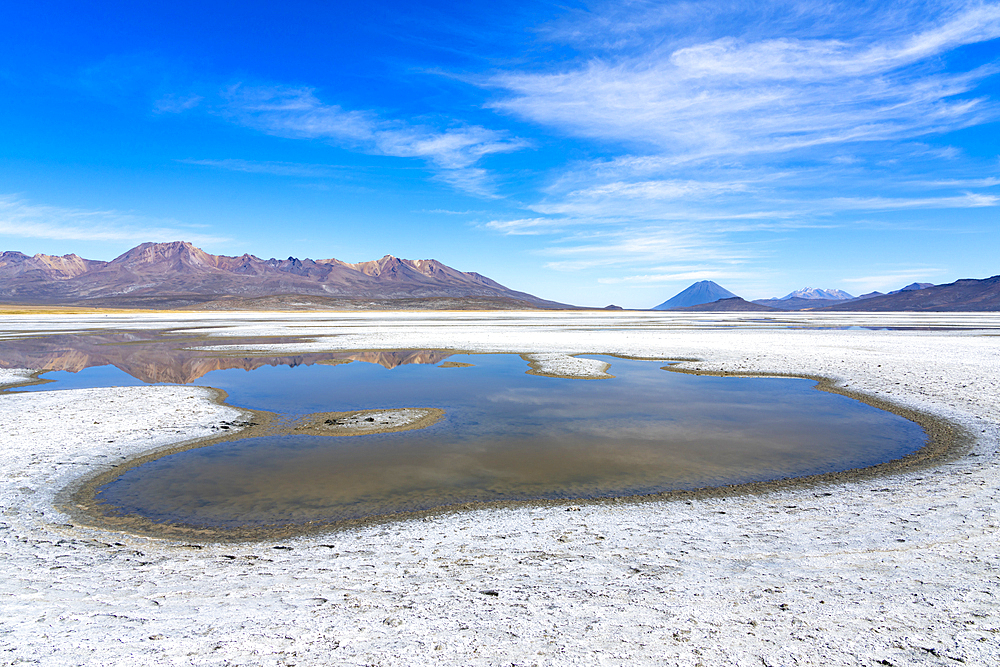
point(899, 570)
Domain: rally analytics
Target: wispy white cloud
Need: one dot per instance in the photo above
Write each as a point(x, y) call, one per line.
point(968, 200)
point(297, 112)
point(656, 279)
point(526, 226)
point(615, 195)
point(739, 198)
point(894, 279)
point(270, 167)
point(661, 189)
point(474, 180)
point(636, 246)
point(174, 103)
point(22, 219)
point(739, 95)
point(988, 182)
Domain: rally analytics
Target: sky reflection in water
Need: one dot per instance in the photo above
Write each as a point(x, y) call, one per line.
point(506, 436)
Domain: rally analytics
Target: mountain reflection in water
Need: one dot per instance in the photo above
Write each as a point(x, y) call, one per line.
point(154, 358)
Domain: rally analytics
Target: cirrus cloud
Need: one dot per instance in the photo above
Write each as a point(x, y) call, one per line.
point(20, 218)
point(736, 96)
point(297, 112)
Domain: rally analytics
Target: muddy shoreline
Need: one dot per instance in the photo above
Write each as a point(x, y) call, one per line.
point(365, 422)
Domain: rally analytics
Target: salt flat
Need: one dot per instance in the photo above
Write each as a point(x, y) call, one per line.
point(902, 570)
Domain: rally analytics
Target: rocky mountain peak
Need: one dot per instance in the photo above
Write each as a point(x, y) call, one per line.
point(163, 257)
point(53, 267)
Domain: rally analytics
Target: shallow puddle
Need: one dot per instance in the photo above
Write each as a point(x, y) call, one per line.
point(505, 436)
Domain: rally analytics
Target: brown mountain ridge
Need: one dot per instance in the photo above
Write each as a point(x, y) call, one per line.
point(966, 295)
point(178, 274)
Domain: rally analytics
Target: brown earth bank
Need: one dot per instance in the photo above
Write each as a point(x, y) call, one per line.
point(364, 422)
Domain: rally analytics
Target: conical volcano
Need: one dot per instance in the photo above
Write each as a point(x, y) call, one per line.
point(704, 291)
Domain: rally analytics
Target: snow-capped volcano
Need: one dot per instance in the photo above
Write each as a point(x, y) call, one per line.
point(815, 293)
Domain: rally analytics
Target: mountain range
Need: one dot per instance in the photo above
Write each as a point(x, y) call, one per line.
point(173, 275)
point(969, 295)
point(810, 298)
point(179, 275)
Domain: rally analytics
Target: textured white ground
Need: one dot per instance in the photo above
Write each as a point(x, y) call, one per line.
point(902, 570)
point(563, 365)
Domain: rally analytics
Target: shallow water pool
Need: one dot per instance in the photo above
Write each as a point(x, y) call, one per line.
point(506, 436)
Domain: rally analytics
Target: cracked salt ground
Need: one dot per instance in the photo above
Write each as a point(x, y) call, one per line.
point(788, 577)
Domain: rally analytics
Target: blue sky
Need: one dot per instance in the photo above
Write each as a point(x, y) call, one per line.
point(590, 153)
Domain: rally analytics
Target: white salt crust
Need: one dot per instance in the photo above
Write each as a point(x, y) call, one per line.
point(899, 570)
point(563, 365)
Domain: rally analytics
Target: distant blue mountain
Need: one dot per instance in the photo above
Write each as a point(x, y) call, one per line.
point(912, 287)
point(701, 292)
